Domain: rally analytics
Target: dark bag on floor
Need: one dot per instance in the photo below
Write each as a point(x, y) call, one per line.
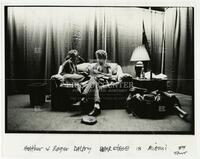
point(154, 105)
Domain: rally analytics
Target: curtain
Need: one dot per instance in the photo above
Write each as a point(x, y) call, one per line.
point(125, 32)
point(153, 28)
point(179, 49)
point(37, 38)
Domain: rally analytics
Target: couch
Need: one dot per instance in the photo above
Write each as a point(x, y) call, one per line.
point(113, 96)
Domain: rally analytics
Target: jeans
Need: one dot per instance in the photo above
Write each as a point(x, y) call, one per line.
point(92, 86)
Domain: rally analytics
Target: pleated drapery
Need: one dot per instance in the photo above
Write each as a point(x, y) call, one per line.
point(37, 39)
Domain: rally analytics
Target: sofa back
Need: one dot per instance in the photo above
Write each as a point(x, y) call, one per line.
point(115, 68)
point(85, 67)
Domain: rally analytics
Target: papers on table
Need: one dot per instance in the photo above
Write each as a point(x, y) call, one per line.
point(159, 76)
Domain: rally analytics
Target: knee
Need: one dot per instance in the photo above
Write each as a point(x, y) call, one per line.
point(92, 78)
point(93, 81)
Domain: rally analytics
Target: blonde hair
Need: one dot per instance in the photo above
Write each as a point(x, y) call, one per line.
point(101, 54)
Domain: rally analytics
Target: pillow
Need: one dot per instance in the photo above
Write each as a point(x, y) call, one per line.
point(112, 65)
point(83, 67)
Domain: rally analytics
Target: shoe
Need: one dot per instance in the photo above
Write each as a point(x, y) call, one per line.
point(77, 104)
point(95, 112)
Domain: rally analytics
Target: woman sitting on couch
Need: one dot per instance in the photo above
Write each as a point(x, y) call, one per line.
point(68, 71)
point(100, 76)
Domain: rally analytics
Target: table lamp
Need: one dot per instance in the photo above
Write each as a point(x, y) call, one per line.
point(139, 54)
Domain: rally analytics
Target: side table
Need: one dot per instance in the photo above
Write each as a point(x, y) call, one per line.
point(151, 84)
point(37, 93)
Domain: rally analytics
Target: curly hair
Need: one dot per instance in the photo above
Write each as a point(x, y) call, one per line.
point(101, 54)
point(71, 53)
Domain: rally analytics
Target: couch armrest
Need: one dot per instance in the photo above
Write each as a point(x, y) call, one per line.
point(55, 81)
point(67, 85)
point(125, 77)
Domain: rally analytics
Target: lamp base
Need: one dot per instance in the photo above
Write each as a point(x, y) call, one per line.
point(138, 68)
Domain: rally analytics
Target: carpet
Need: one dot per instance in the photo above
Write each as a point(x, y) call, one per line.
point(22, 117)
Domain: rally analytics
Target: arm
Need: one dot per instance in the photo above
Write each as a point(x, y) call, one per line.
point(58, 75)
point(73, 76)
point(69, 74)
point(107, 76)
point(64, 64)
point(80, 60)
point(65, 68)
point(60, 69)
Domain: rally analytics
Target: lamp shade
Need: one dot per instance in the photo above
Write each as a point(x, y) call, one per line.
point(140, 54)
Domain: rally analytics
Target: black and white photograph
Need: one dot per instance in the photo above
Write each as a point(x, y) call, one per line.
point(99, 69)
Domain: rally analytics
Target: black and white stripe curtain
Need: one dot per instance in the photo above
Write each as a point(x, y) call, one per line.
point(179, 49)
point(39, 37)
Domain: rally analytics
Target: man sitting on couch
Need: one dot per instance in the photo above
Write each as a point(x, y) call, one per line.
point(101, 74)
point(103, 77)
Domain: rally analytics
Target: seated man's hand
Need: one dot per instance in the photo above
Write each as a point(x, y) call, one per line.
point(113, 79)
point(95, 71)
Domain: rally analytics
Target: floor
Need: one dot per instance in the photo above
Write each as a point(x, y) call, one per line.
point(22, 117)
